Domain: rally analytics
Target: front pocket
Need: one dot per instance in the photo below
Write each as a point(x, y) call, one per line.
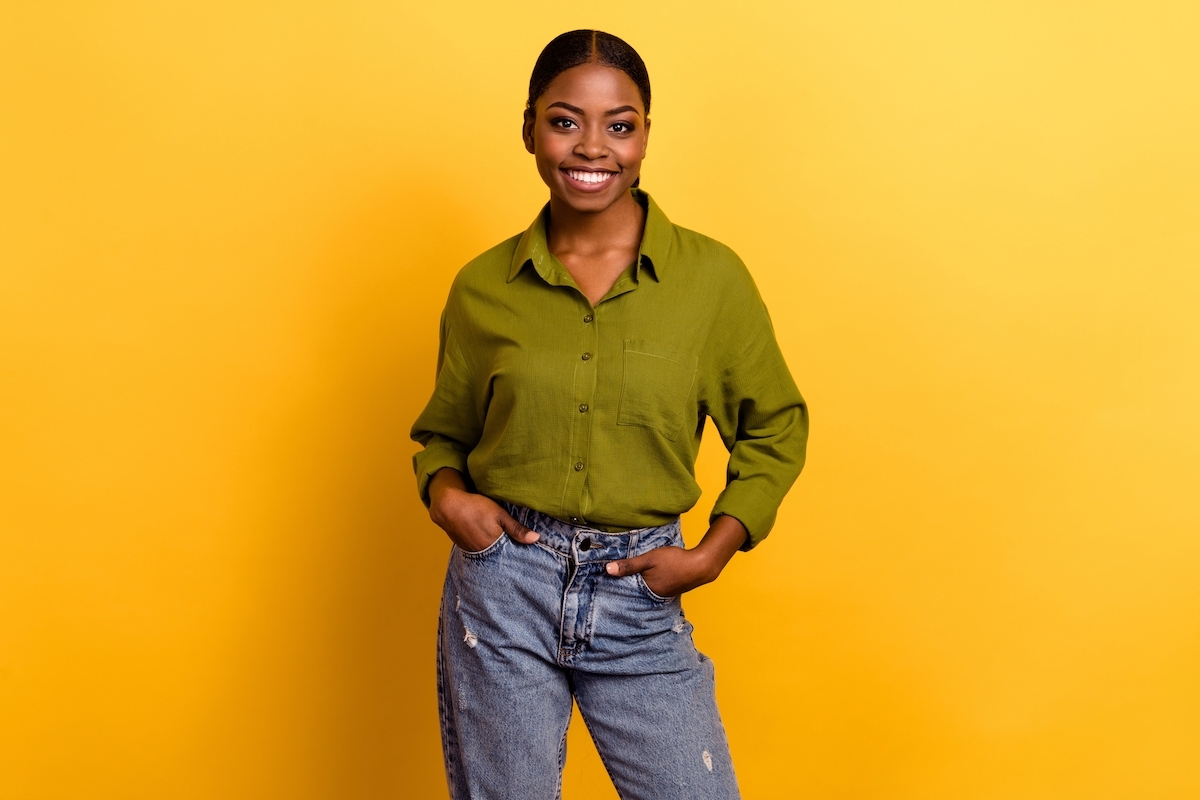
point(646, 590)
point(656, 386)
point(492, 548)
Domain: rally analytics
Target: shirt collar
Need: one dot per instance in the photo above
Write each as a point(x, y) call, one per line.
point(532, 248)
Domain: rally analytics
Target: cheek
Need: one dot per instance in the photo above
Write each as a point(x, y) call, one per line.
point(550, 150)
point(631, 152)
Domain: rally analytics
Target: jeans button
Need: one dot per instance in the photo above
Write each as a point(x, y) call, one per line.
point(585, 545)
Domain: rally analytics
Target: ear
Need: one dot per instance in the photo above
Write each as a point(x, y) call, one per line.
point(645, 137)
point(527, 129)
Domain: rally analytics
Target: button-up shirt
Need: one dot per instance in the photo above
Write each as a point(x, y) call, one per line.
point(594, 414)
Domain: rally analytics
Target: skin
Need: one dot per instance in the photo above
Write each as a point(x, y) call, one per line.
point(590, 119)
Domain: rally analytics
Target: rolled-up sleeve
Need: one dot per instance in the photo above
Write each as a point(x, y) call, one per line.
point(451, 424)
point(759, 412)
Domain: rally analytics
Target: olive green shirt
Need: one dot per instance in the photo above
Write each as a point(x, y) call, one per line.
point(593, 414)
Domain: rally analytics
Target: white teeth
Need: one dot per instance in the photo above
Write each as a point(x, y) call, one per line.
point(589, 177)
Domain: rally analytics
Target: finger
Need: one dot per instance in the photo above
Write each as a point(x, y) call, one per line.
point(515, 530)
point(630, 566)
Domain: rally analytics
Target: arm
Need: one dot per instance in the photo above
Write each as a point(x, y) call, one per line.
point(669, 571)
point(763, 421)
point(449, 428)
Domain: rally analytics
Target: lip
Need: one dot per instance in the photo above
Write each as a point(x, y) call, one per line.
point(581, 186)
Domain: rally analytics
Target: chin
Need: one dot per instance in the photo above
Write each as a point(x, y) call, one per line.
point(592, 202)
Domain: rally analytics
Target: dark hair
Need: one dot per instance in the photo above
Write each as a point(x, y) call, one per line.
point(587, 47)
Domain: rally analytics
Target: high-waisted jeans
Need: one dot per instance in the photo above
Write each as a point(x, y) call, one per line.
point(524, 628)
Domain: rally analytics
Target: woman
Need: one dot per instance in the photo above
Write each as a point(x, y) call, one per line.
point(577, 363)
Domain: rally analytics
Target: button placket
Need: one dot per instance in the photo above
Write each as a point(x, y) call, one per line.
point(581, 425)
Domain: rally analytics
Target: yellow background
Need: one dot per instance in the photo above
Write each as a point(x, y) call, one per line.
point(226, 233)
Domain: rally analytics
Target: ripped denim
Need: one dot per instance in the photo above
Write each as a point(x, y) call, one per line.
point(526, 628)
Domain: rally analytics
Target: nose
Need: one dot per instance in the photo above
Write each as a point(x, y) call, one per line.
point(591, 145)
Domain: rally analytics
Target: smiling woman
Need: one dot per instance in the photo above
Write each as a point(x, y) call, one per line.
point(595, 144)
point(587, 126)
point(579, 361)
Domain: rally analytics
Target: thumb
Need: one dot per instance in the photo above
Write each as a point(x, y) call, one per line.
point(515, 530)
point(629, 566)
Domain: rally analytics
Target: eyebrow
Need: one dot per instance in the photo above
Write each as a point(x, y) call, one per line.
point(581, 112)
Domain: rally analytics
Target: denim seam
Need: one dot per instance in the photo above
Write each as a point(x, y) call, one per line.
point(600, 752)
point(449, 739)
point(562, 758)
point(589, 623)
point(562, 612)
point(491, 549)
point(658, 598)
point(550, 549)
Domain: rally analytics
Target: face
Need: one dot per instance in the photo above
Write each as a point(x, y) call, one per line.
point(588, 133)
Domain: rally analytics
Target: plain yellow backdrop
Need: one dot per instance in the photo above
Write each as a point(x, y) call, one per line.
point(226, 233)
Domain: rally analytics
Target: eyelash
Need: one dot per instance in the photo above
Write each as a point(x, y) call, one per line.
point(563, 122)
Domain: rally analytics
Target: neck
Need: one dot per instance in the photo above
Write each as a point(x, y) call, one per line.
point(594, 231)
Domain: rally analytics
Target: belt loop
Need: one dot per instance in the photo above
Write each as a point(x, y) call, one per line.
point(633, 540)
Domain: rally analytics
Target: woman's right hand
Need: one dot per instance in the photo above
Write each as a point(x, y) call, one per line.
point(472, 521)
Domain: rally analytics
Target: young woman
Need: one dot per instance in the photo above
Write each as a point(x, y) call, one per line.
point(577, 363)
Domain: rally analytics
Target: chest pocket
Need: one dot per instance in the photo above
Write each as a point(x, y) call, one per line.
point(656, 387)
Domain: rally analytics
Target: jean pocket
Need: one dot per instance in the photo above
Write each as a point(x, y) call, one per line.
point(656, 384)
point(646, 590)
point(490, 550)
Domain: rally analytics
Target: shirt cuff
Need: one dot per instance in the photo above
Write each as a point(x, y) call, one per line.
point(750, 506)
point(427, 462)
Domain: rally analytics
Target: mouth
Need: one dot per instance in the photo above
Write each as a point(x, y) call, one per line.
point(587, 180)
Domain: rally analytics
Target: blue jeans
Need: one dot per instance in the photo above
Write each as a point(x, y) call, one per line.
point(524, 628)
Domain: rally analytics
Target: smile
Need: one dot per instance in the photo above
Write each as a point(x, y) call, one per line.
point(589, 178)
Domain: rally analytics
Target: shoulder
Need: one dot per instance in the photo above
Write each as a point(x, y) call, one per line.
point(720, 287)
point(489, 267)
point(712, 263)
point(483, 276)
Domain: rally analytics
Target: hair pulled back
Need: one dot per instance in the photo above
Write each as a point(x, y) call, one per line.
point(574, 48)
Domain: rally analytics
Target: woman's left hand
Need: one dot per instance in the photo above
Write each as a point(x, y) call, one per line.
point(671, 571)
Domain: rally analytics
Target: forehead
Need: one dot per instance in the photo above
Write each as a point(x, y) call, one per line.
point(595, 86)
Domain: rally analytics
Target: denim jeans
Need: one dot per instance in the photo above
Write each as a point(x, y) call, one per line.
point(524, 628)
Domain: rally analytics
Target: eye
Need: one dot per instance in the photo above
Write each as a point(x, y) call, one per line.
point(621, 127)
point(563, 122)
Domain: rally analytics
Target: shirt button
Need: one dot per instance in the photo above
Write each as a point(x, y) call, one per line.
point(586, 356)
point(578, 466)
point(574, 519)
point(583, 408)
point(588, 318)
